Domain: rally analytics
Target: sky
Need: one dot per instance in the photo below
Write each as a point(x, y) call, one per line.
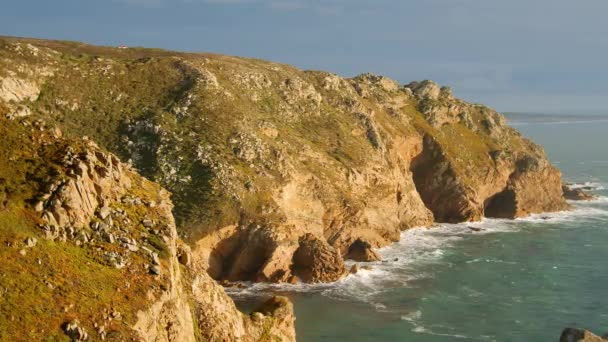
point(516, 55)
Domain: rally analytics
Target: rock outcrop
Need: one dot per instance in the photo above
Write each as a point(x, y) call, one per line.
point(219, 320)
point(362, 251)
point(579, 335)
point(575, 194)
point(315, 261)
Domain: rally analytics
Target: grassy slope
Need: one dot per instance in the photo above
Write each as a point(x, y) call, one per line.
point(54, 281)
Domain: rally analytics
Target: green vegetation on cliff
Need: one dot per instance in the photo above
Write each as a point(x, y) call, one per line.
point(48, 282)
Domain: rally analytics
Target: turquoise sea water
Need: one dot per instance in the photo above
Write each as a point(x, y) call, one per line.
point(521, 280)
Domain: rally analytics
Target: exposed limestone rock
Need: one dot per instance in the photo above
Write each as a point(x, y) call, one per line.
point(278, 311)
point(154, 269)
point(441, 189)
point(440, 113)
point(446, 93)
point(274, 320)
point(251, 80)
point(576, 194)
point(371, 130)
point(510, 189)
point(268, 129)
point(336, 83)
point(579, 335)
point(217, 318)
point(315, 261)
point(262, 253)
point(30, 242)
point(75, 332)
point(295, 90)
point(184, 254)
point(277, 267)
point(427, 90)
point(19, 111)
point(362, 251)
point(531, 188)
point(92, 179)
point(364, 81)
point(210, 252)
point(169, 317)
point(14, 89)
point(208, 79)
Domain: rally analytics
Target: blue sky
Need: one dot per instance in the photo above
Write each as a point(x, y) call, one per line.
point(515, 55)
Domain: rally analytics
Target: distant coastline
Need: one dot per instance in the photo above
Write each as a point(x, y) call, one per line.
point(521, 118)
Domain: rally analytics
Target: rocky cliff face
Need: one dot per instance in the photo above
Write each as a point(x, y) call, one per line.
point(277, 173)
point(474, 165)
point(92, 248)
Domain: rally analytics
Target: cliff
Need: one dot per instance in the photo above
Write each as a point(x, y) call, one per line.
point(91, 252)
point(278, 174)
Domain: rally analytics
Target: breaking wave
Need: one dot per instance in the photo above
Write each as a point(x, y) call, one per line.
point(401, 261)
point(589, 185)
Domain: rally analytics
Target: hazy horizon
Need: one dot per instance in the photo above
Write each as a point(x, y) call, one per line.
point(546, 56)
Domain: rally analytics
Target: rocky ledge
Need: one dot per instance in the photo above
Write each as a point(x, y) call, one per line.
point(576, 194)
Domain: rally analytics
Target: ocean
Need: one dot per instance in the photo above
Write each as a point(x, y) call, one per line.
point(515, 280)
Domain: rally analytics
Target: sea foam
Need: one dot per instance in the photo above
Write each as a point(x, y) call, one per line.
point(401, 261)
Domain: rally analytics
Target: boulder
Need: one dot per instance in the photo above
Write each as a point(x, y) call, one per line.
point(75, 331)
point(362, 251)
point(426, 89)
point(282, 327)
point(17, 90)
point(579, 335)
point(576, 194)
point(104, 212)
point(155, 270)
point(316, 261)
point(446, 93)
point(30, 242)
